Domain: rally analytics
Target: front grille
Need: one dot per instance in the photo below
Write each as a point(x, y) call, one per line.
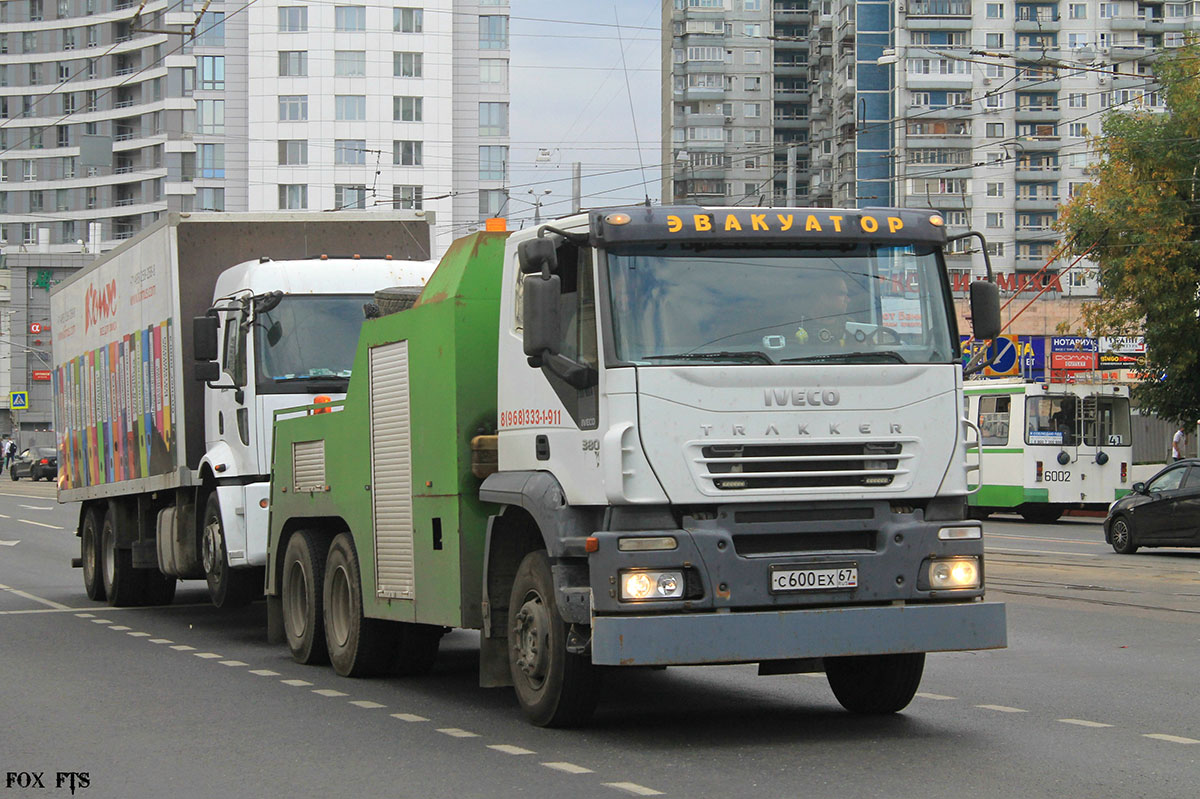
point(738, 467)
point(759, 544)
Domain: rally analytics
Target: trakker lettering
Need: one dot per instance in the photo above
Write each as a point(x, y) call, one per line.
point(809, 223)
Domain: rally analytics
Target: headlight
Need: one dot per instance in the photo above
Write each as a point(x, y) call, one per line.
point(645, 586)
point(949, 573)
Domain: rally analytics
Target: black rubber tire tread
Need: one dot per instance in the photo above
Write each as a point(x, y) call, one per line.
point(1047, 514)
point(369, 645)
point(306, 550)
point(89, 538)
point(568, 694)
point(12, 472)
point(396, 298)
point(128, 585)
point(160, 588)
point(875, 684)
point(230, 588)
point(1129, 545)
point(416, 649)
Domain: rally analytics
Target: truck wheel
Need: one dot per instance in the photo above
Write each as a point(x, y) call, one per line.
point(89, 551)
point(1122, 536)
point(358, 646)
point(123, 584)
point(302, 597)
point(555, 688)
point(160, 588)
point(228, 588)
point(416, 648)
point(875, 684)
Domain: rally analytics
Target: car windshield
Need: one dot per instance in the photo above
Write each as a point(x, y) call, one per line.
point(46, 452)
point(307, 339)
point(716, 305)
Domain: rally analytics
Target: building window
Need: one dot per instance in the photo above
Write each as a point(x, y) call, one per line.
point(493, 33)
point(995, 219)
point(212, 72)
point(293, 196)
point(752, 83)
point(210, 116)
point(407, 153)
point(349, 197)
point(293, 19)
point(493, 160)
point(210, 30)
point(349, 151)
point(93, 36)
point(1078, 130)
point(492, 202)
point(1077, 11)
point(1109, 10)
point(410, 198)
point(407, 65)
point(293, 63)
point(293, 107)
point(210, 199)
point(293, 152)
point(68, 167)
point(28, 233)
point(752, 57)
point(1077, 100)
point(752, 110)
point(68, 103)
point(994, 130)
point(994, 41)
point(350, 18)
point(68, 231)
point(408, 20)
point(995, 189)
point(350, 107)
point(406, 109)
point(493, 70)
point(64, 135)
point(210, 160)
point(350, 63)
point(493, 119)
point(994, 10)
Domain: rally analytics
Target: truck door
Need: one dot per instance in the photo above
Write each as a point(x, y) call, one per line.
point(234, 422)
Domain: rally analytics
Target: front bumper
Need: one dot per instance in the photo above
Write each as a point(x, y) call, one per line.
point(700, 638)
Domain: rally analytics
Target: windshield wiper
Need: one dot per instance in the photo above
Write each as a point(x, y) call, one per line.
point(887, 355)
point(756, 355)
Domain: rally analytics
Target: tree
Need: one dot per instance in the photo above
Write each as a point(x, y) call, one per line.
point(1140, 216)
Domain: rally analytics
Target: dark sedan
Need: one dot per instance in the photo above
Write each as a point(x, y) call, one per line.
point(1162, 512)
point(36, 463)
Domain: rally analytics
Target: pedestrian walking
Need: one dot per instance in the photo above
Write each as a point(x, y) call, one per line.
point(1179, 443)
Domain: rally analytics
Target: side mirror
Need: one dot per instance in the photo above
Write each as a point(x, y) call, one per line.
point(204, 337)
point(274, 333)
point(207, 371)
point(542, 324)
point(985, 310)
point(1139, 488)
point(538, 255)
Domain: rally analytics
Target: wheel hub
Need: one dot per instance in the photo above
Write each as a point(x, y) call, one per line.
point(210, 548)
point(1120, 534)
point(531, 644)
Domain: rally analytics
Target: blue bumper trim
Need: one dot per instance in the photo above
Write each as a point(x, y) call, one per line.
point(696, 638)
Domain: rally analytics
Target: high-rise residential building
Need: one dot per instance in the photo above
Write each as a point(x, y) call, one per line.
point(113, 111)
point(982, 110)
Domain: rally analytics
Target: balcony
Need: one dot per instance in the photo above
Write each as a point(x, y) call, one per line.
point(939, 8)
point(1038, 113)
point(1036, 203)
point(916, 81)
point(962, 111)
point(1029, 23)
point(1035, 232)
point(1036, 173)
point(1128, 23)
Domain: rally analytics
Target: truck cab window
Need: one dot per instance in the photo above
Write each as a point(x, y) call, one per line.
point(233, 357)
point(993, 420)
point(577, 310)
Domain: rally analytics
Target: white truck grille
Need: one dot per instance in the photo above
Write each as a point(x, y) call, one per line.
point(740, 467)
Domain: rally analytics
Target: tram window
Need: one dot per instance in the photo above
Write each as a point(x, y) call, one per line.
point(1051, 420)
point(1111, 422)
point(993, 420)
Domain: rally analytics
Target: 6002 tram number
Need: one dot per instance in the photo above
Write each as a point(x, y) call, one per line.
point(1056, 476)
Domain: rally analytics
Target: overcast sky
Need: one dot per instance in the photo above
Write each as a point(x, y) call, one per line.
point(570, 96)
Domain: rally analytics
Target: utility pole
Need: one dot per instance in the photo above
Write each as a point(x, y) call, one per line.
point(537, 204)
point(791, 176)
point(576, 187)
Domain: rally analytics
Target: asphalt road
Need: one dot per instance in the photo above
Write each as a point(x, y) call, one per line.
point(1094, 697)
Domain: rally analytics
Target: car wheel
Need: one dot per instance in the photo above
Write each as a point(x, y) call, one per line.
point(12, 472)
point(1122, 536)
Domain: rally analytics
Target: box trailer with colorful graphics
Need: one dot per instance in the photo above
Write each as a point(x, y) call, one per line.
point(171, 471)
point(1050, 447)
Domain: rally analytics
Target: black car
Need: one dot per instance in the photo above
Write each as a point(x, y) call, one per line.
point(35, 463)
point(1162, 512)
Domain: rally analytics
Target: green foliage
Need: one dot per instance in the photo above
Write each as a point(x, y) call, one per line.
point(1139, 219)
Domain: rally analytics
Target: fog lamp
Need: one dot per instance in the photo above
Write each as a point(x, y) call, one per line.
point(954, 573)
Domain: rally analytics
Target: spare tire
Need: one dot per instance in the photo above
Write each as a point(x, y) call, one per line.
point(397, 298)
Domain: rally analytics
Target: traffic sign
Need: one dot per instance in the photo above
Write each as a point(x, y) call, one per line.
point(18, 400)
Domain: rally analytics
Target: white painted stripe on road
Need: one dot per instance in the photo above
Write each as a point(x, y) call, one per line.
point(1084, 723)
point(161, 641)
point(233, 663)
point(366, 704)
point(329, 692)
point(183, 648)
point(409, 717)
point(297, 683)
point(136, 634)
point(120, 628)
point(455, 732)
point(569, 768)
point(209, 655)
point(101, 621)
point(1041, 538)
point(633, 788)
point(35, 507)
point(1038, 552)
point(10, 543)
point(509, 749)
point(1003, 708)
point(86, 615)
point(264, 673)
point(938, 697)
point(2, 516)
point(32, 598)
point(42, 524)
point(1174, 739)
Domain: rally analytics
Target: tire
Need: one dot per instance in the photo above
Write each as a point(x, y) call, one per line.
point(123, 584)
point(302, 590)
point(554, 688)
point(160, 588)
point(227, 587)
point(1123, 541)
point(416, 649)
point(1042, 514)
point(875, 684)
point(89, 552)
point(358, 646)
point(13, 474)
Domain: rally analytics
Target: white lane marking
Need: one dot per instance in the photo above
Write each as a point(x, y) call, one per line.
point(86, 615)
point(264, 673)
point(1003, 708)
point(939, 697)
point(32, 598)
point(35, 507)
point(1084, 723)
point(233, 663)
point(2, 516)
point(409, 717)
point(1038, 552)
point(1040, 538)
point(633, 788)
point(455, 732)
point(183, 648)
point(136, 634)
point(569, 768)
point(10, 543)
point(329, 692)
point(1174, 739)
point(161, 641)
point(209, 655)
point(366, 704)
point(296, 682)
point(42, 524)
point(508, 749)
point(101, 621)
point(120, 628)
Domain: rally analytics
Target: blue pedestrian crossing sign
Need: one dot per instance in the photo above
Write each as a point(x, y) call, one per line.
point(18, 400)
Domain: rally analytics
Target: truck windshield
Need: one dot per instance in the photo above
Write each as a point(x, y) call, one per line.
point(307, 342)
point(717, 305)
